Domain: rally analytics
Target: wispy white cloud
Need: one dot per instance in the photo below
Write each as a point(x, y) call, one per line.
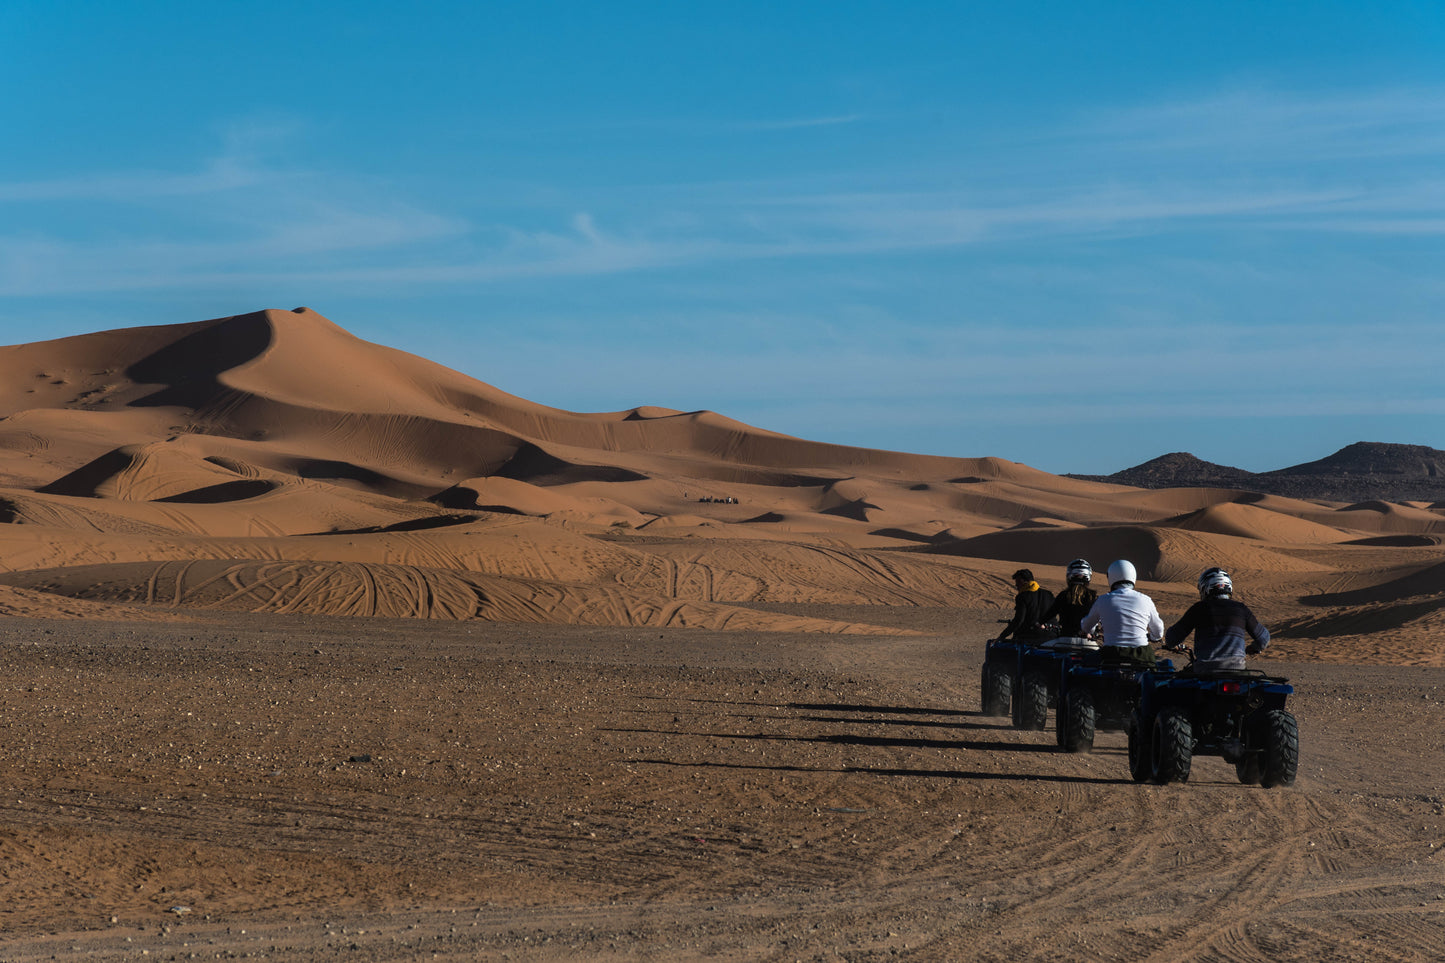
point(262, 237)
point(215, 176)
point(851, 226)
point(888, 358)
point(799, 123)
point(239, 164)
point(1276, 126)
point(234, 216)
point(1320, 165)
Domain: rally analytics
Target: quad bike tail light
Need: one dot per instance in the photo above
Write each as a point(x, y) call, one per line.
point(1230, 688)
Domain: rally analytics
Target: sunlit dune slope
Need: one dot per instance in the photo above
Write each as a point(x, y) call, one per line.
point(1248, 521)
point(273, 462)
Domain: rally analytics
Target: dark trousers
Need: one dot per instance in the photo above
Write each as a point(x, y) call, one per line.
point(1138, 654)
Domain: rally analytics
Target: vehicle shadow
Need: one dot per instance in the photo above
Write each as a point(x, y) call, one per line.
point(868, 714)
point(880, 710)
point(911, 723)
point(843, 739)
point(865, 714)
point(897, 771)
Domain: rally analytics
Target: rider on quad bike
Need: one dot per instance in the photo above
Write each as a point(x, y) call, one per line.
point(1030, 604)
point(1003, 668)
point(1071, 605)
point(1225, 630)
point(1129, 619)
point(1215, 706)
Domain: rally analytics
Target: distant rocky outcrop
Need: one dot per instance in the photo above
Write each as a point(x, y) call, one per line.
point(1372, 458)
point(1364, 471)
point(1181, 470)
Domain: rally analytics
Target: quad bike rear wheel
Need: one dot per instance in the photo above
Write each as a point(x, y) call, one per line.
point(997, 686)
point(1280, 759)
point(1033, 702)
point(1172, 746)
point(1076, 721)
point(1139, 763)
point(1249, 769)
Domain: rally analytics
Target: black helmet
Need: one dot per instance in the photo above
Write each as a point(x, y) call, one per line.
point(1215, 581)
point(1079, 570)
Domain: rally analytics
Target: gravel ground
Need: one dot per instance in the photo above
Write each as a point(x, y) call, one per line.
point(361, 789)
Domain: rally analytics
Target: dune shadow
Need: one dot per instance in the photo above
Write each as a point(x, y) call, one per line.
point(189, 368)
point(426, 523)
point(537, 466)
point(1425, 584)
point(84, 481)
point(229, 491)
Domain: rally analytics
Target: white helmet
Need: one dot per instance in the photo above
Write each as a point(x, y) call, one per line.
point(1122, 571)
point(1215, 581)
point(1079, 570)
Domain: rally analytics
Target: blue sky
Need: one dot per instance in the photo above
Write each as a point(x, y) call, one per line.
point(1076, 235)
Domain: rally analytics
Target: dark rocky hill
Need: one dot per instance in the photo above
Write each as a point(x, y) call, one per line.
point(1374, 458)
point(1181, 470)
point(1364, 471)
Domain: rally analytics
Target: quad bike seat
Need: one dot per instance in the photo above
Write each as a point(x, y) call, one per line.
point(1070, 643)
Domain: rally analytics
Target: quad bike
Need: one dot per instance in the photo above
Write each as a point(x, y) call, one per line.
point(1097, 693)
point(998, 676)
point(1238, 714)
point(1040, 674)
point(1020, 679)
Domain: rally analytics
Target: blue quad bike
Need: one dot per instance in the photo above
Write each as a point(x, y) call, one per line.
point(1238, 714)
point(999, 676)
point(1096, 693)
point(1020, 679)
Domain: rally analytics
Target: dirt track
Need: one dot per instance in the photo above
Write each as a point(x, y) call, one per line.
point(377, 790)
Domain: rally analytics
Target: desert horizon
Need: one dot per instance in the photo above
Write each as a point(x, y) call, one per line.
point(272, 462)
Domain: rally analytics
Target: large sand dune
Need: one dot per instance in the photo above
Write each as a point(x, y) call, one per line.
point(283, 465)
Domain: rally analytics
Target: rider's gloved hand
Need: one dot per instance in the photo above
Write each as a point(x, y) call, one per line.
point(1254, 648)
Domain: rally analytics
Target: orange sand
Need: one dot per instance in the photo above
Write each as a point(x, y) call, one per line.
point(271, 462)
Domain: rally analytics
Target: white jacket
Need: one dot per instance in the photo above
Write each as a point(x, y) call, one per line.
point(1129, 618)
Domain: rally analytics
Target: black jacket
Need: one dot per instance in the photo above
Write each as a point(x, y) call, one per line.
point(1222, 630)
point(1029, 608)
point(1068, 614)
